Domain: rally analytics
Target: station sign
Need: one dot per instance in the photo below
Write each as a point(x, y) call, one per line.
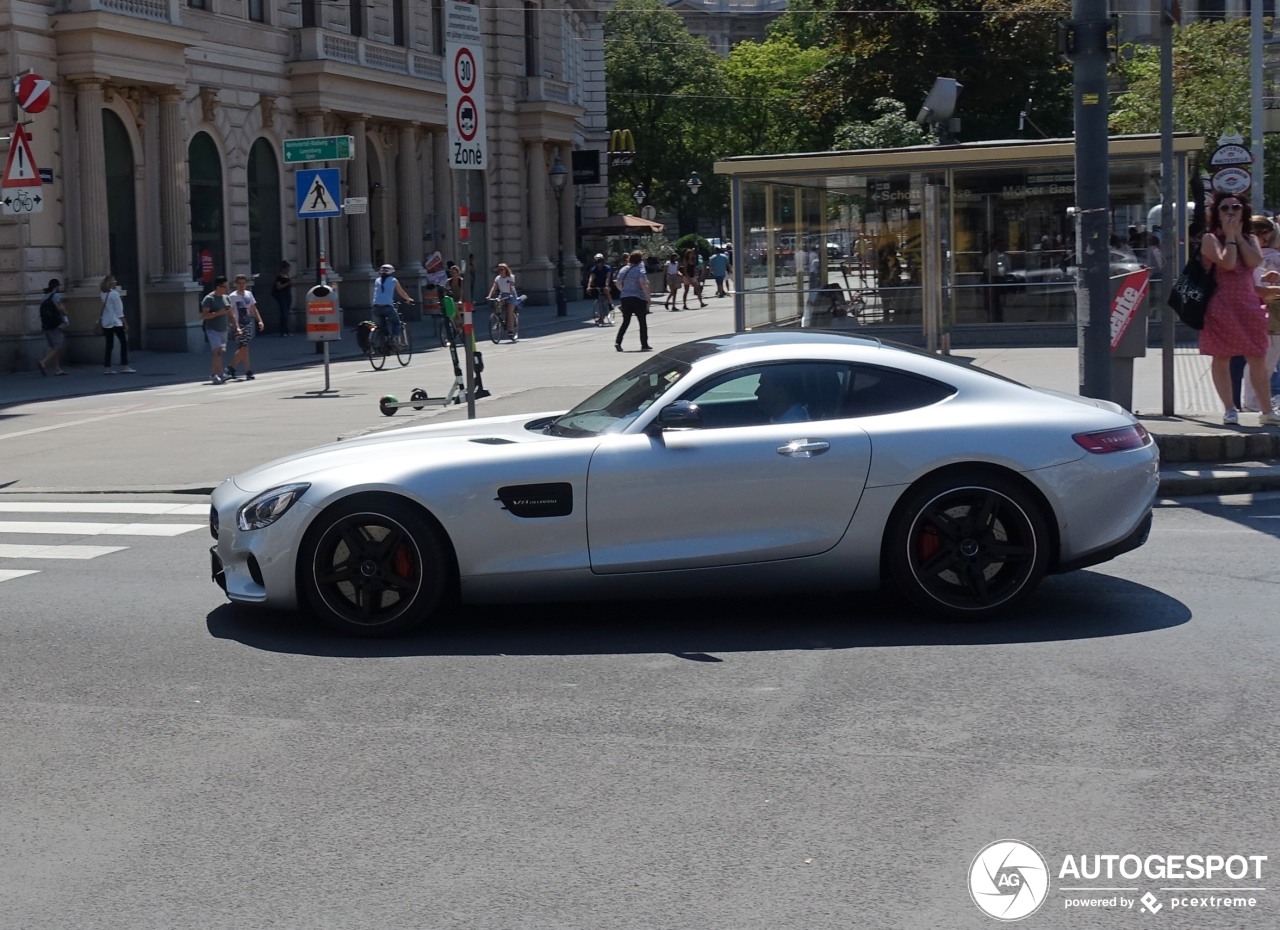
point(464, 86)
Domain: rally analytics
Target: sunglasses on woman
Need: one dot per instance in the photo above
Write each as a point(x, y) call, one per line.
point(1230, 207)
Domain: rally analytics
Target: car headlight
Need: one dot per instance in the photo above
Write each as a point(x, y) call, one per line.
point(269, 506)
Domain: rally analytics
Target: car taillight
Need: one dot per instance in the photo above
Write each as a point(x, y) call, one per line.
point(1113, 440)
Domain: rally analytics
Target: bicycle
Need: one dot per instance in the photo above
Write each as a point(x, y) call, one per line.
point(602, 309)
point(498, 320)
point(381, 345)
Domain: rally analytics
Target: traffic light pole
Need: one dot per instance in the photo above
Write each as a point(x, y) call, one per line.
point(1087, 48)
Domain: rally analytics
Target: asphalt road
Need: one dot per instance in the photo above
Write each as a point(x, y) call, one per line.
point(171, 761)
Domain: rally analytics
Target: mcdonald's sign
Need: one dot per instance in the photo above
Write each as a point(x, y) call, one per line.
point(622, 149)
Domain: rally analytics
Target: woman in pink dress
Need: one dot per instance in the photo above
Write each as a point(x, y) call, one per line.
point(1235, 322)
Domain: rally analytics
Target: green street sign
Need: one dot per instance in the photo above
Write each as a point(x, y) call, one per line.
point(319, 148)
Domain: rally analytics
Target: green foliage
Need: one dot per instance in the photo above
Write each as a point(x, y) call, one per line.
point(763, 81)
point(663, 84)
point(802, 22)
point(684, 242)
point(891, 128)
point(1002, 52)
point(1210, 82)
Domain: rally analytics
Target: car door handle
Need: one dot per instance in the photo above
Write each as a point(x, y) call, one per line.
point(804, 448)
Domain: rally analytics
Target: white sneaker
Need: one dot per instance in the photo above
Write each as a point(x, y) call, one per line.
point(1231, 417)
point(1270, 418)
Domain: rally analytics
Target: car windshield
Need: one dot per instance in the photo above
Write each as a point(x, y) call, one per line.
point(612, 408)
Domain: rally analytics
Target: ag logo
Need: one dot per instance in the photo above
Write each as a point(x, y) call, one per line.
point(1008, 880)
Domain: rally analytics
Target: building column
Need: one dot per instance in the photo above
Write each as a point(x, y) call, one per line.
point(359, 249)
point(572, 267)
point(95, 254)
point(537, 185)
point(409, 197)
point(446, 201)
point(174, 224)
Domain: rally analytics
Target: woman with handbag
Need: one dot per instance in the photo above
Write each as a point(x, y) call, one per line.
point(634, 283)
point(1235, 322)
point(113, 326)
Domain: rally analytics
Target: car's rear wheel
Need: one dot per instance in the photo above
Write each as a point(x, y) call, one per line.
point(968, 546)
point(373, 566)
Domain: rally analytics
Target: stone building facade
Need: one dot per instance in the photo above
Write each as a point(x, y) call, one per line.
point(725, 23)
point(166, 132)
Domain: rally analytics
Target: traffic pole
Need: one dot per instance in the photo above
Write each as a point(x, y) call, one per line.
point(1087, 35)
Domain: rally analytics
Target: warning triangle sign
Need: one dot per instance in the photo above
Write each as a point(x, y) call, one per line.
point(20, 170)
point(318, 200)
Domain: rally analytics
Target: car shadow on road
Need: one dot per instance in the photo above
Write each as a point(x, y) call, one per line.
point(1081, 605)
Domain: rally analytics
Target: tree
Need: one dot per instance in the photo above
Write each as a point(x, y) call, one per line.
point(670, 110)
point(890, 128)
point(1210, 82)
point(1002, 51)
point(763, 81)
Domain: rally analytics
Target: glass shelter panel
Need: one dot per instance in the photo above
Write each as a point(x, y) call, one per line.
point(970, 237)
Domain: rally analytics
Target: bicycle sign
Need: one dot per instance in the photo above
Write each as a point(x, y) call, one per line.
point(21, 184)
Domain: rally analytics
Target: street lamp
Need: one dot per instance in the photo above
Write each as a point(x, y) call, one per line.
point(638, 195)
point(694, 184)
point(559, 174)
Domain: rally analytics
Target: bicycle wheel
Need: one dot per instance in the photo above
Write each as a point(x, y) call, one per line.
point(404, 345)
point(495, 327)
point(377, 349)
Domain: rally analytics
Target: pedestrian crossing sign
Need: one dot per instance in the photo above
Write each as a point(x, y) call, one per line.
point(318, 193)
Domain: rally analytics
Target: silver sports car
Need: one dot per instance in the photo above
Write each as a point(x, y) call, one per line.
point(758, 462)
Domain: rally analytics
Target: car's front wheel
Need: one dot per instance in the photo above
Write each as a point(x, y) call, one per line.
point(372, 566)
point(968, 546)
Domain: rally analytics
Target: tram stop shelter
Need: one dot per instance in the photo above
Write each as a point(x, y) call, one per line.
point(939, 245)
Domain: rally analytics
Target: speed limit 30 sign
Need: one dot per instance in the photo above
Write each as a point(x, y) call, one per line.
point(464, 53)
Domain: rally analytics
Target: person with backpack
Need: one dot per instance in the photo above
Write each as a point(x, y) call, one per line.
point(53, 323)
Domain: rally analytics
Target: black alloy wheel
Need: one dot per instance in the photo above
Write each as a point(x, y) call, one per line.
point(968, 547)
point(372, 566)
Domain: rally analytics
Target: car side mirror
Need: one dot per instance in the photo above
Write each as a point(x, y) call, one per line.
point(682, 414)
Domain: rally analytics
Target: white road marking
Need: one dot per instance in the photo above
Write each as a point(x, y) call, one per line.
point(10, 574)
point(102, 507)
point(100, 529)
point(96, 418)
point(56, 552)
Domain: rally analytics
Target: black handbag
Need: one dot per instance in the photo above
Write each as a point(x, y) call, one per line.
point(1191, 291)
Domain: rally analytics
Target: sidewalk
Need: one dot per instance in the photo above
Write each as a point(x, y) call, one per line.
point(1198, 453)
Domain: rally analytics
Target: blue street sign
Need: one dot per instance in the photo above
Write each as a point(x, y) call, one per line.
point(317, 190)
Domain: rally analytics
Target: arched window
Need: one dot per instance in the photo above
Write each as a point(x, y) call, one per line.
point(122, 218)
point(264, 211)
point(209, 251)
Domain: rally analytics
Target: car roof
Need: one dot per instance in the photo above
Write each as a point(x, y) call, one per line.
point(754, 345)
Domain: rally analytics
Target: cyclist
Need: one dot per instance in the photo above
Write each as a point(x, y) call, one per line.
point(599, 285)
point(385, 291)
point(504, 288)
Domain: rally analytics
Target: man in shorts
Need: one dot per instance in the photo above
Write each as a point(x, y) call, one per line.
point(215, 310)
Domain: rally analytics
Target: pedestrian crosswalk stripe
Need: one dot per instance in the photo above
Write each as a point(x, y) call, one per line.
point(56, 552)
point(7, 574)
point(99, 529)
point(102, 507)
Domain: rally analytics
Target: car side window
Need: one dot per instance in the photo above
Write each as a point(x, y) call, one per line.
point(786, 392)
point(876, 391)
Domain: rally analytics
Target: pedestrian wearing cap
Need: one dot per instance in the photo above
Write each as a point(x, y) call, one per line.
point(385, 291)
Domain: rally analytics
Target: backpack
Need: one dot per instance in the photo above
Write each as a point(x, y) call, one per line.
point(50, 315)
